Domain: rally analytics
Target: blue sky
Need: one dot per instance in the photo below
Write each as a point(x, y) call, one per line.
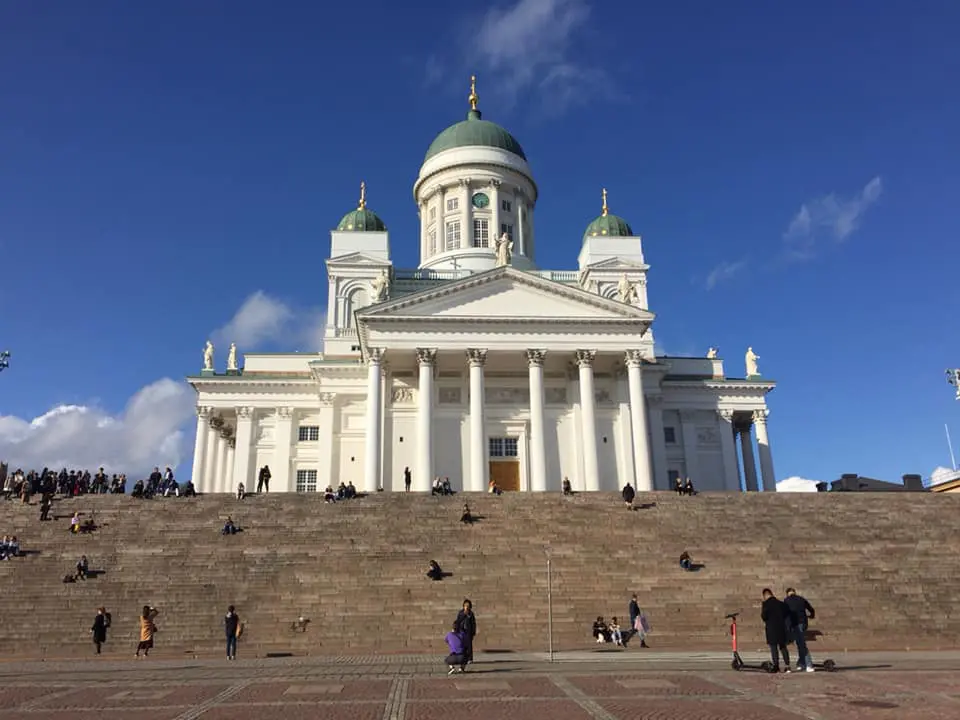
point(791, 167)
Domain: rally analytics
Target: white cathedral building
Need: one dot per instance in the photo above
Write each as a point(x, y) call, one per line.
point(479, 366)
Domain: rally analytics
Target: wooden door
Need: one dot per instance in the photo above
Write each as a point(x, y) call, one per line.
point(506, 473)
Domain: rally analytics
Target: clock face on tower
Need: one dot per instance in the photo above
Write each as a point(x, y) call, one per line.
point(480, 200)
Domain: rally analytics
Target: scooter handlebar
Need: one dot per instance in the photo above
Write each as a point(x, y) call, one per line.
point(732, 616)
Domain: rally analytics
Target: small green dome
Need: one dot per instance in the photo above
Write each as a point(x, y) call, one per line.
point(473, 132)
point(362, 220)
point(608, 225)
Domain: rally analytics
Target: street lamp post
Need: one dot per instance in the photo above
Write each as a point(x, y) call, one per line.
point(4, 360)
point(549, 603)
point(953, 378)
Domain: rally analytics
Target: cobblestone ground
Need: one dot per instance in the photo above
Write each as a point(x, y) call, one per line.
point(413, 689)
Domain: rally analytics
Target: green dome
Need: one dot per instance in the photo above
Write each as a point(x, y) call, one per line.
point(362, 220)
point(473, 132)
point(609, 225)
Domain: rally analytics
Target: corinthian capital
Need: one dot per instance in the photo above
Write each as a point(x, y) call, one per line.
point(426, 356)
point(535, 358)
point(725, 415)
point(634, 358)
point(204, 412)
point(244, 413)
point(476, 356)
point(760, 416)
point(374, 355)
point(585, 357)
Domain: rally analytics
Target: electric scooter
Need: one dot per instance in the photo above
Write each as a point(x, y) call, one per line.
point(738, 663)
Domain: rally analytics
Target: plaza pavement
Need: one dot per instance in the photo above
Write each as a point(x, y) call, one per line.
point(520, 686)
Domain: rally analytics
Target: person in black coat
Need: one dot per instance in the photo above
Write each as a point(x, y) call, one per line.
point(776, 619)
point(628, 495)
point(800, 612)
point(466, 625)
point(99, 630)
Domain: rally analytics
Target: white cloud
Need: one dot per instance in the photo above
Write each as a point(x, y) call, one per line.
point(797, 484)
point(156, 426)
point(149, 432)
point(265, 320)
point(530, 47)
point(829, 215)
point(724, 271)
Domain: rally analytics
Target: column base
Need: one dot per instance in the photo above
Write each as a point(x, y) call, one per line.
point(207, 373)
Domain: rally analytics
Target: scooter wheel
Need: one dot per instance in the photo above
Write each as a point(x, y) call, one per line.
point(737, 664)
point(829, 666)
point(766, 667)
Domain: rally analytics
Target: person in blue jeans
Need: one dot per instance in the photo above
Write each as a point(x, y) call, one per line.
point(800, 612)
point(231, 625)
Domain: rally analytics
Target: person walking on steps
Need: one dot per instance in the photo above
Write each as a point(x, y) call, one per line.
point(800, 612)
point(637, 621)
point(776, 620)
point(99, 630)
point(147, 630)
point(263, 480)
point(466, 625)
point(233, 628)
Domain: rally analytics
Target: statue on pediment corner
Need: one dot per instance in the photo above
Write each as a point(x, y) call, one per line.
point(712, 353)
point(751, 362)
point(208, 356)
point(626, 292)
point(504, 250)
point(381, 286)
point(232, 357)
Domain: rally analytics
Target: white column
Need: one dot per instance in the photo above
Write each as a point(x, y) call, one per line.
point(325, 446)
point(424, 249)
point(283, 439)
point(243, 450)
point(478, 436)
point(494, 211)
point(466, 236)
point(210, 457)
point(731, 470)
point(588, 418)
point(371, 460)
point(216, 484)
point(763, 447)
point(691, 459)
point(521, 241)
point(638, 423)
point(658, 442)
point(538, 452)
point(423, 472)
point(200, 446)
point(230, 483)
point(749, 464)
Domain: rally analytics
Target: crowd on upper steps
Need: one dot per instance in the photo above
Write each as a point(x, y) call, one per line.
point(75, 482)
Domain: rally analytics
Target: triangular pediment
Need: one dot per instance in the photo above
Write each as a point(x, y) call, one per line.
point(504, 294)
point(358, 258)
point(615, 263)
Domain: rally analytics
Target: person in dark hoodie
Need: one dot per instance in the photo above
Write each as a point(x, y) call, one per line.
point(231, 625)
point(628, 494)
point(99, 630)
point(800, 612)
point(466, 625)
point(776, 619)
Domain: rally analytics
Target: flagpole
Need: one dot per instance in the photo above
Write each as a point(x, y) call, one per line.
point(953, 460)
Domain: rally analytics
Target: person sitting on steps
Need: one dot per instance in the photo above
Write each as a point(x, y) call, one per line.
point(601, 633)
point(465, 516)
point(688, 488)
point(567, 488)
point(493, 488)
point(434, 572)
point(83, 568)
point(678, 485)
point(615, 634)
point(241, 491)
point(685, 562)
point(229, 528)
point(75, 523)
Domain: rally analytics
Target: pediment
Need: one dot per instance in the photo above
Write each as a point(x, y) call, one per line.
point(505, 294)
point(359, 258)
point(615, 263)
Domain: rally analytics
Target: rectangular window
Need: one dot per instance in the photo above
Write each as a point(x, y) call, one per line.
point(508, 229)
point(309, 433)
point(505, 205)
point(433, 213)
point(503, 447)
point(669, 435)
point(453, 235)
point(432, 241)
point(481, 233)
point(453, 204)
point(306, 481)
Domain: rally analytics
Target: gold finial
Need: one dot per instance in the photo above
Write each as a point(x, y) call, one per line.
point(474, 98)
point(604, 211)
point(363, 195)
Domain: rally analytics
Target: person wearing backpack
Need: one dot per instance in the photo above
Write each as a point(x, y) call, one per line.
point(99, 630)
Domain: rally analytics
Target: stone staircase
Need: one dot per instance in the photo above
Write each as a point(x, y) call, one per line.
point(883, 570)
